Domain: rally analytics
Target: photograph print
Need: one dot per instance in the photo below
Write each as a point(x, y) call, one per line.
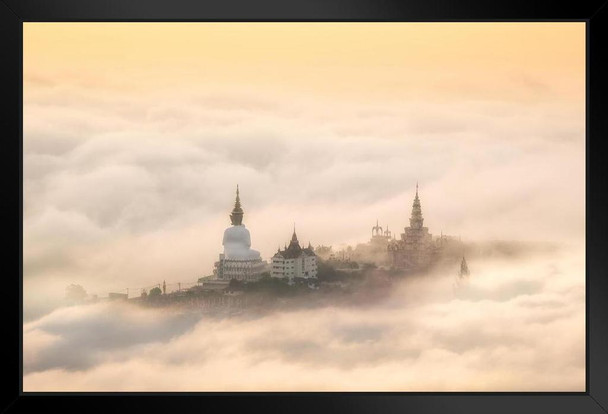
point(304, 207)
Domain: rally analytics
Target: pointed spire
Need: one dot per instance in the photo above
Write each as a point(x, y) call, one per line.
point(237, 202)
point(464, 268)
point(416, 219)
point(294, 244)
point(237, 212)
point(294, 238)
point(377, 230)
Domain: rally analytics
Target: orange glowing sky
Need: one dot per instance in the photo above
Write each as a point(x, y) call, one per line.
point(361, 61)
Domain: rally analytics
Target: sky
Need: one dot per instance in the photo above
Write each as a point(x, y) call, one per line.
point(136, 134)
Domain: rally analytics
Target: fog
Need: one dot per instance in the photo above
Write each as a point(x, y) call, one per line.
point(103, 202)
point(517, 326)
point(129, 206)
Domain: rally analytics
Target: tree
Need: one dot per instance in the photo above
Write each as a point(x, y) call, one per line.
point(326, 272)
point(155, 292)
point(75, 293)
point(235, 285)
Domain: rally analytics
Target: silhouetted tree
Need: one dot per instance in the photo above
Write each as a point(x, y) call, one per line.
point(235, 285)
point(155, 292)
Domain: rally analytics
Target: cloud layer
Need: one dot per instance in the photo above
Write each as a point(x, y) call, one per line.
point(518, 326)
point(110, 181)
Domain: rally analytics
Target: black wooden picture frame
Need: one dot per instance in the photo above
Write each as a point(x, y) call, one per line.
point(13, 13)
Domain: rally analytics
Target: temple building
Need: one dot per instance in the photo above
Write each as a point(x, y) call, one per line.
point(380, 239)
point(376, 250)
point(238, 261)
point(294, 261)
point(416, 249)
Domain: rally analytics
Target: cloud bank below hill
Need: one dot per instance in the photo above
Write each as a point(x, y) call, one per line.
point(519, 326)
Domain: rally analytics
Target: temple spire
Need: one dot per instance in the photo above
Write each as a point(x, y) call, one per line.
point(464, 268)
point(387, 232)
point(236, 217)
point(294, 238)
point(416, 219)
point(376, 230)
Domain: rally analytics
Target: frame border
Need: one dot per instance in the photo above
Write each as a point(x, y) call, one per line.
point(13, 13)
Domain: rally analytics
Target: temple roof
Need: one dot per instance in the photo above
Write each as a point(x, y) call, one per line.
point(294, 250)
point(294, 237)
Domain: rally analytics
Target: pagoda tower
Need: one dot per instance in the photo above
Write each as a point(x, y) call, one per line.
point(416, 220)
point(415, 249)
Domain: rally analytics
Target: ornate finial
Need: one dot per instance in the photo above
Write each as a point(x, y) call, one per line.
point(294, 238)
point(376, 230)
point(237, 212)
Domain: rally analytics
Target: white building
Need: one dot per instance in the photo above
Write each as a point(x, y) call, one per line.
point(238, 261)
point(294, 261)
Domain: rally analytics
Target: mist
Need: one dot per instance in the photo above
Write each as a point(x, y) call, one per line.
point(100, 207)
point(517, 326)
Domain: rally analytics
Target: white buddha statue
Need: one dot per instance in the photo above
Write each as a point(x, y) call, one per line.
point(237, 240)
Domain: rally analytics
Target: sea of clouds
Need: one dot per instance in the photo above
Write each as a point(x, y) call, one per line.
point(112, 180)
point(518, 325)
